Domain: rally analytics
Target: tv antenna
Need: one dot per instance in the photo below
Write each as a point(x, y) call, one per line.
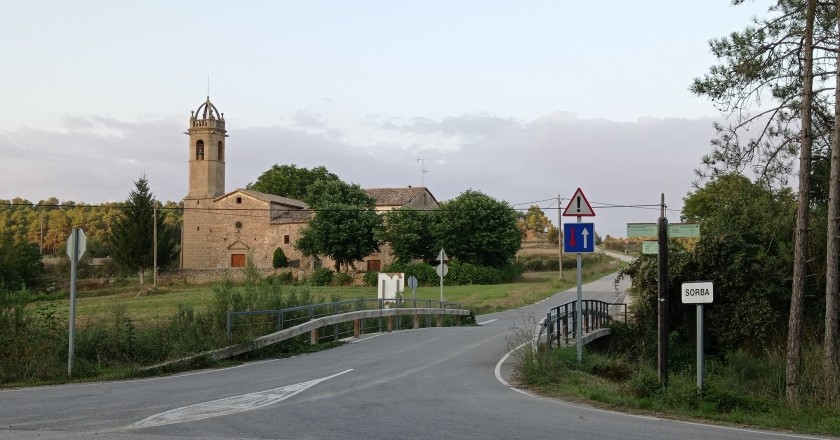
point(423, 170)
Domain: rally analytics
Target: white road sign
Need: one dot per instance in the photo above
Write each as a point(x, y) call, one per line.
point(699, 292)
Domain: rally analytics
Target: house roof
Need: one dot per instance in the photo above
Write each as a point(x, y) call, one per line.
point(396, 196)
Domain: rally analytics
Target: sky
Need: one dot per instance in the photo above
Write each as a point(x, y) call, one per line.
point(524, 101)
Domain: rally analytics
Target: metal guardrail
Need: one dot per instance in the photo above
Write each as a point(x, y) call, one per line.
point(560, 322)
point(294, 316)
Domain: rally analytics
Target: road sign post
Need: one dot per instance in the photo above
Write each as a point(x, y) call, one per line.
point(442, 269)
point(579, 238)
point(412, 284)
point(699, 292)
point(76, 245)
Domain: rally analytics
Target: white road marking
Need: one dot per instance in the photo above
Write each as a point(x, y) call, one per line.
point(487, 322)
point(229, 405)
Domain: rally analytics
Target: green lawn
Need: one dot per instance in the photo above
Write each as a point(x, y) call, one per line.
point(146, 306)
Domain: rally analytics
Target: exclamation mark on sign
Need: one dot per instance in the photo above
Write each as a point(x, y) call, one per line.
point(578, 204)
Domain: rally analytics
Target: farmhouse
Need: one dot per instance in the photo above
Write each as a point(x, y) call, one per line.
point(221, 229)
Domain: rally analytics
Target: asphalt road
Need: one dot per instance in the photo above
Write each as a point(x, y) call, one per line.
point(433, 383)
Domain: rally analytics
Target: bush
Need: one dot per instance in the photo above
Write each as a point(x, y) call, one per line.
point(459, 273)
point(425, 274)
point(286, 277)
point(644, 384)
point(279, 259)
point(342, 279)
point(371, 278)
point(321, 277)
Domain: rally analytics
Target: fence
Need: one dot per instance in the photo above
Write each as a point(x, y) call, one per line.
point(560, 324)
point(258, 322)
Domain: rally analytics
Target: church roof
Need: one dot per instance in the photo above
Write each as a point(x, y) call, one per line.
point(271, 198)
point(208, 111)
point(396, 196)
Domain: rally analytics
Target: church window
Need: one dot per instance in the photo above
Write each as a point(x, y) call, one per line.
point(239, 200)
point(286, 239)
point(237, 225)
point(221, 151)
point(199, 150)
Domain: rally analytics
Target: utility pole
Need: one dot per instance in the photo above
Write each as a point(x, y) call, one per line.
point(560, 234)
point(423, 170)
point(663, 295)
point(154, 244)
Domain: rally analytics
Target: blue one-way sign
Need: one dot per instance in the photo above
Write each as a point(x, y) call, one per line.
point(579, 238)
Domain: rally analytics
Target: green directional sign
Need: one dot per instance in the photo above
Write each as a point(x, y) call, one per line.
point(684, 230)
point(650, 247)
point(641, 230)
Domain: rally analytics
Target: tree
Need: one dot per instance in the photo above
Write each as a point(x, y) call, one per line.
point(534, 222)
point(774, 61)
point(800, 254)
point(477, 229)
point(410, 233)
point(132, 232)
point(290, 181)
point(279, 259)
point(345, 225)
point(745, 248)
point(20, 263)
point(832, 277)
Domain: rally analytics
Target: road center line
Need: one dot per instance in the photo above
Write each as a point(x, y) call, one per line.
point(487, 322)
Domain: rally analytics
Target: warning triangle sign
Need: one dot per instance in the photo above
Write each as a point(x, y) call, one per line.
point(578, 206)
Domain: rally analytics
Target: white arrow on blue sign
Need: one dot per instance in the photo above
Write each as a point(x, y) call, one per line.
point(579, 238)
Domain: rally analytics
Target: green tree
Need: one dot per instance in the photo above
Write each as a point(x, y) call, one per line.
point(477, 229)
point(290, 181)
point(20, 264)
point(279, 259)
point(345, 224)
point(745, 248)
point(410, 233)
point(774, 61)
point(132, 232)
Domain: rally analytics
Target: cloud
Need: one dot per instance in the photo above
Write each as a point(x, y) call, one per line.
point(625, 163)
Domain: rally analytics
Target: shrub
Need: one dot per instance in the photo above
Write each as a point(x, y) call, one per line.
point(321, 277)
point(279, 259)
point(342, 279)
point(371, 278)
point(286, 277)
point(645, 383)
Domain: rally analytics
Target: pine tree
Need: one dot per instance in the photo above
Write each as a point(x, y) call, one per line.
point(132, 232)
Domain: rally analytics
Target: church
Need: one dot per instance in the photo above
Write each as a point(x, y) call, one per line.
point(221, 229)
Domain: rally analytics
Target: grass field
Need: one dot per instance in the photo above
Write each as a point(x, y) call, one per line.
point(146, 306)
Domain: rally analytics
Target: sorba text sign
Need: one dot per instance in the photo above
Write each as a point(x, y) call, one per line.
point(698, 292)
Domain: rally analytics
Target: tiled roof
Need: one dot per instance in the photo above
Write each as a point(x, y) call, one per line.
point(284, 216)
point(269, 198)
point(395, 196)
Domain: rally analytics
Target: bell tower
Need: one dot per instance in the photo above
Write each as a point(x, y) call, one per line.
point(206, 182)
point(207, 152)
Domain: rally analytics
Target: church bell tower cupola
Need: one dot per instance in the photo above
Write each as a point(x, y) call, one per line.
point(207, 152)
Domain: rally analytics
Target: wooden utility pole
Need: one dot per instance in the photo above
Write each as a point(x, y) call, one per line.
point(560, 232)
point(154, 244)
point(662, 327)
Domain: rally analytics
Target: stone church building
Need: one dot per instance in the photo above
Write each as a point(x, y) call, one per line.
point(220, 229)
